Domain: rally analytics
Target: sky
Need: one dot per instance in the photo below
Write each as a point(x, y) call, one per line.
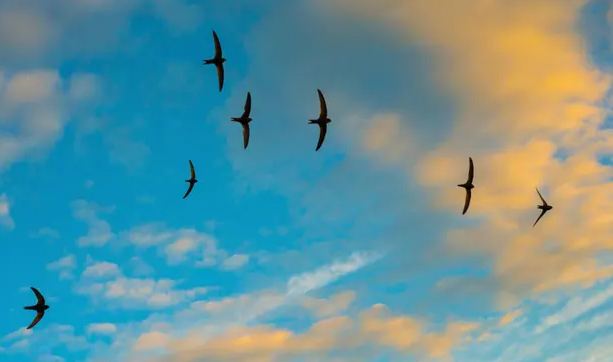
point(356, 252)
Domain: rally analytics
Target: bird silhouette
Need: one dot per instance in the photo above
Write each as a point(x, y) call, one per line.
point(192, 181)
point(218, 60)
point(545, 207)
point(244, 120)
point(468, 186)
point(40, 307)
point(322, 121)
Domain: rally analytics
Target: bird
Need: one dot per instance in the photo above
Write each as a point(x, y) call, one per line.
point(244, 120)
point(322, 121)
point(40, 307)
point(468, 185)
point(545, 207)
point(218, 60)
point(192, 181)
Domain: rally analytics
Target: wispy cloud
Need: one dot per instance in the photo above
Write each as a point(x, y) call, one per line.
point(5, 213)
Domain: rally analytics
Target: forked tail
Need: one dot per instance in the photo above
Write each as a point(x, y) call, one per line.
point(208, 61)
point(32, 307)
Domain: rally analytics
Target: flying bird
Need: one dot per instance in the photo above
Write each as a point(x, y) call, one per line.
point(545, 207)
point(40, 307)
point(192, 181)
point(468, 185)
point(218, 60)
point(244, 120)
point(322, 121)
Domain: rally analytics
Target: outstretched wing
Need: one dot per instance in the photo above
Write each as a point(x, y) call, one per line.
point(39, 297)
point(467, 201)
point(245, 135)
point(191, 168)
point(323, 128)
point(191, 186)
point(247, 106)
point(540, 216)
point(542, 199)
point(471, 170)
point(220, 75)
point(322, 105)
point(218, 52)
point(39, 316)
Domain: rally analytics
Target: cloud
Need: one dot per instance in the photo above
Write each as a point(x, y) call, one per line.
point(133, 293)
point(235, 261)
point(306, 282)
point(102, 328)
point(99, 231)
point(64, 266)
point(330, 307)
point(101, 270)
point(525, 95)
point(45, 233)
point(35, 108)
point(182, 245)
point(374, 328)
point(5, 213)
point(50, 339)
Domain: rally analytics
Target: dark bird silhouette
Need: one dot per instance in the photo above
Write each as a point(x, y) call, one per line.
point(40, 307)
point(469, 184)
point(192, 181)
point(244, 120)
point(545, 207)
point(218, 60)
point(322, 121)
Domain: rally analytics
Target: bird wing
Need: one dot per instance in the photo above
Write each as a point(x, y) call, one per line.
point(322, 135)
point(39, 297)
point(191, 168)
point(322, 105)
point(218, 52)
point(191, 186)
point(467, 201)
point(542, 199)
point(245, 135)
point(540, 216)
point(247, 106)
point(471, 170)
point(220, 75)
point(39, 316)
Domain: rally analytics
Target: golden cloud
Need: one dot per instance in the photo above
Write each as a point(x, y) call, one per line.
point(526, 94)
point(375, 327)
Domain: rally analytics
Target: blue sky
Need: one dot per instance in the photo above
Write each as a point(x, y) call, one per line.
point(355, 253)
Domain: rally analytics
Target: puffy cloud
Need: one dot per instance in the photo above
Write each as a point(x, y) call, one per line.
point(375, 328)
point(329, 307)
point(35, 108)
point(99, 231)
point(64, 266)
point(102, 328)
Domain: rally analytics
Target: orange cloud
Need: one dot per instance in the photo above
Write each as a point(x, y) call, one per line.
point(375, 328)
point(526, 91)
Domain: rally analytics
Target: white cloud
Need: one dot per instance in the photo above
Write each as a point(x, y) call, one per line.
point(99, 232)
point(5, 213)
point(45, 233)
point(177, 245)
point(304, 283)
point(577, 307)
point(64, 265)
point(138, 293)
point(234, 262)
point(34, 86)
point(36, 105)
point(102, 328)
point(101, 270)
